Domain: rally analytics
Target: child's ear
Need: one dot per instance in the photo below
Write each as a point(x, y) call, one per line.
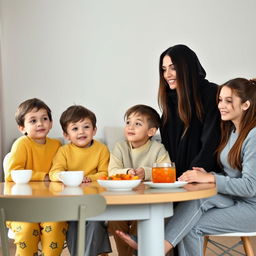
point(152, 132)
point(22, 129)
point(94, 131)
point(66, 136)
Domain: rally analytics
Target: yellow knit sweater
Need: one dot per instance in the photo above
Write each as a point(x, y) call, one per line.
point(28, 154)
point(92, 160)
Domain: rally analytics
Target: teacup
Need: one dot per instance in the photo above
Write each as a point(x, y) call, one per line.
point(21, 176)
point(71, 178)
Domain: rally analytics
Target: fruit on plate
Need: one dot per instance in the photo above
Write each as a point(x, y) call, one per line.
point(120, 177)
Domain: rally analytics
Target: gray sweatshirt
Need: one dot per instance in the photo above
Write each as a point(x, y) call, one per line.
point(240, 184)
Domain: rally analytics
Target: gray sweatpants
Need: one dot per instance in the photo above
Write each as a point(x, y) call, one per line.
point(97, 239)
point(219, 214)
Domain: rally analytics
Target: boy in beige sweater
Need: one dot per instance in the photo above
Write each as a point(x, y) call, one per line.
point(135, 156)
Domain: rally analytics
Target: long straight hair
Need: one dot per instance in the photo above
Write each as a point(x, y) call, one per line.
point(189, 72)
point(246, 91)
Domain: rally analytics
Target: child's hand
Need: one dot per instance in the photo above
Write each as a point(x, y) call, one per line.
point(86, 179)
point(132, 172)
point(47, 178)
point(140, 172)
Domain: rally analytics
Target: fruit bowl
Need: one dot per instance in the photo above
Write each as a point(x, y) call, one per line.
point(119, 185)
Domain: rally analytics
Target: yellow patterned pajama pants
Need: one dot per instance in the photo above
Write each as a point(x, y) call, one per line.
point(27, 236)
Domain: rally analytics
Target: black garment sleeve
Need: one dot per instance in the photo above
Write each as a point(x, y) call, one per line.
point(210, 137)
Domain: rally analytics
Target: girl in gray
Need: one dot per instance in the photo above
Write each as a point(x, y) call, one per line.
point(233, 209)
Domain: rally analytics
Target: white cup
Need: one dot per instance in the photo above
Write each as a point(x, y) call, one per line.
point(71, 178)
point(21, 176)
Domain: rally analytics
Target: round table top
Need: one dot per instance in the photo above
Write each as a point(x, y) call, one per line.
point(142, 194)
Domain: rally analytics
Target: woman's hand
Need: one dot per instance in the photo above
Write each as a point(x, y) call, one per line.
point(47, 178)
point(197, 175)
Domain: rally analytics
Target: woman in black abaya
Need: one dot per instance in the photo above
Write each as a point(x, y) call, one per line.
point(190, 122)
point(190, 118)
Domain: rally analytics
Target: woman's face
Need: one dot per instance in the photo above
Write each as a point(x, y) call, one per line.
point(169, 72)
point(230, 106)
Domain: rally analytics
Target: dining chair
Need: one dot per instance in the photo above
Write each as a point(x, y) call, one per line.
point(227, 250)
point(5, 162)
point(44, 209)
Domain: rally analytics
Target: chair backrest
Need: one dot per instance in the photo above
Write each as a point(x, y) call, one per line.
point(53, 209)
point(113, 134)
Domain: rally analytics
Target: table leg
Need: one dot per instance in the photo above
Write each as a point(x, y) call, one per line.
point(151, 232)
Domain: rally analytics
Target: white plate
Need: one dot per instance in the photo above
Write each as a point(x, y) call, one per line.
point(176, 184)
point(119, 185)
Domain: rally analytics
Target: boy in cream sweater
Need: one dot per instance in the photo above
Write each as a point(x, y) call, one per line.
point(135, 156)
point(83, 153)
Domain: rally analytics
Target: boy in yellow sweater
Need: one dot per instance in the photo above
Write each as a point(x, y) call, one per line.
point(136, 156)
point(83, 153)
point(35, 151)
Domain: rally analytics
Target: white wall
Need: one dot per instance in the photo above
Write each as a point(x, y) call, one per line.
point(104, 54)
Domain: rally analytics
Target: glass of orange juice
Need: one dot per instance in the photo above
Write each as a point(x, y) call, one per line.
point(164, 173)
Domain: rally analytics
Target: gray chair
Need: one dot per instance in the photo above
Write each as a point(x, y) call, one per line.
point(52, 209)
point(5, 162)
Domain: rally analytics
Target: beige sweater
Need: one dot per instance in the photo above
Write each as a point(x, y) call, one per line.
point(124, 157)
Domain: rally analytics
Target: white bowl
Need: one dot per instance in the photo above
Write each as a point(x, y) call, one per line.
point(119, 185)
point(21, 176)
point(71, 178)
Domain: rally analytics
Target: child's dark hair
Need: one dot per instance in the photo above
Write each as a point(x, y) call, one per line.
point(27, 106)
point(74, 114)
point(151, 114)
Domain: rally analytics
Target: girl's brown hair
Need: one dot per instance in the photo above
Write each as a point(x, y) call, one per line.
point(189, 72)
point(246, 90)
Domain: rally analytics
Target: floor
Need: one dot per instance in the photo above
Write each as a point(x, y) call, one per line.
point(228, 241)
